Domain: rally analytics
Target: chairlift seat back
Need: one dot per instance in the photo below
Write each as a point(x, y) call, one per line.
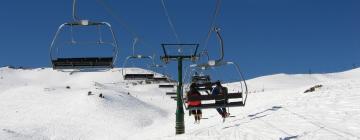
point(160, 79)
point(198, 79)
point(167, 86)
point(213, 106)
point(215, 97)
point(86, 62)
point(138, 76)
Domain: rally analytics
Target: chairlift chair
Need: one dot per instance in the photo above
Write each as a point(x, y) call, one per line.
point(237, 90)
point(129, 75)
point(59, 61)
point(63, 62)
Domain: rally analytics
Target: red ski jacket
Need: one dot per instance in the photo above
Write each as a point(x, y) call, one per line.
point(194, 103)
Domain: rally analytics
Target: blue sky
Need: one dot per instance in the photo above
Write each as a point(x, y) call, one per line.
point(263, 36)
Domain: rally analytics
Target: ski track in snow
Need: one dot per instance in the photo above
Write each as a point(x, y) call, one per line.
point(35, 104)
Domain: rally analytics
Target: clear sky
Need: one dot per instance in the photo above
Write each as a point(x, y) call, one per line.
point(263, 36)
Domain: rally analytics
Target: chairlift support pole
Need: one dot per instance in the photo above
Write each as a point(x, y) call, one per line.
point(179, 124)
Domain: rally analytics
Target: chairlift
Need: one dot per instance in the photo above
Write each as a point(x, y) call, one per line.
point(237, 89)
point(204, 76)
point(60, 61)
point(129, 73)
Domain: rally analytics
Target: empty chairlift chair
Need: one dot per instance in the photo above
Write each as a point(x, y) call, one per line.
point(136, 74)
point(71, 52)
point(59, 58)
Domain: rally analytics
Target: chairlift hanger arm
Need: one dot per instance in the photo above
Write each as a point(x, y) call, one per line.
point(135, 41)
point(218, 62)
point(243, 78)
point(74, 11)
point(221, 41)
point(54, 40)
point(212, 24)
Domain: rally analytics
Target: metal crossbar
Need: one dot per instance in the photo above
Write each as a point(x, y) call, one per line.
point(215, 97)
point(166, 55)
point(212, 106)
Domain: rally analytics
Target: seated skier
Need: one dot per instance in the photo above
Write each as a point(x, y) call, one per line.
point(220, 90)
point(194, 92)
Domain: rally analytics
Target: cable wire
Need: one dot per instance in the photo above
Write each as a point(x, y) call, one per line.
point(118, 19)
point(111, 12)
point(170, 21)
point(212, 25)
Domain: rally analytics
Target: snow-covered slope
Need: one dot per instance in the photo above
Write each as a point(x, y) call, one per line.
point(47, 104)
point(35, 104)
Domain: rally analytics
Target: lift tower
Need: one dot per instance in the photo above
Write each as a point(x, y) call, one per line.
point(179, 53)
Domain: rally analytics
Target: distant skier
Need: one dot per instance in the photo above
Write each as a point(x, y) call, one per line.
point(194, 92)
point(220, 90)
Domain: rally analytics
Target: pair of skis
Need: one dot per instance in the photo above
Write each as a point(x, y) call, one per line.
point(223, 119)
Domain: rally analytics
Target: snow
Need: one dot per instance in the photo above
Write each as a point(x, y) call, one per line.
point(35, 104)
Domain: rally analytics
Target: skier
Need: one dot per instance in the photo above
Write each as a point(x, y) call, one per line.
point(220, 90)
point(194, 92)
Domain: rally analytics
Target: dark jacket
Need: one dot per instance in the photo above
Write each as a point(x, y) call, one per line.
point(219, 90)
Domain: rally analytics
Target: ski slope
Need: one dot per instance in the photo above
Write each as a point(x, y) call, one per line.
point(36, 104)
